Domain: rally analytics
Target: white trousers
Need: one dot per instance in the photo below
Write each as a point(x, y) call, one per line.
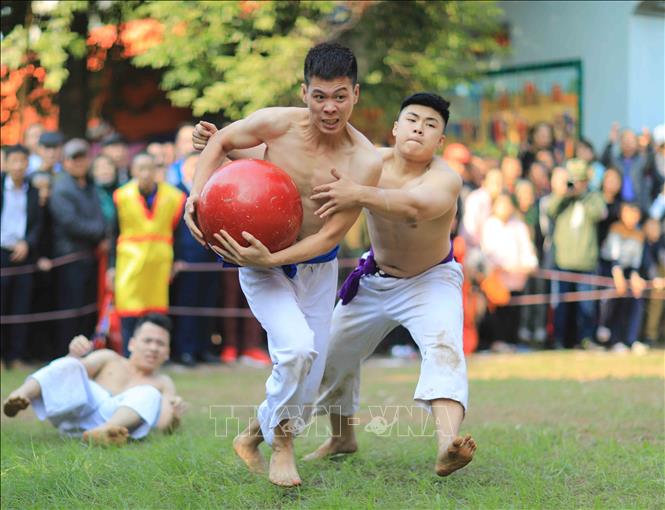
point(74, 403)
point(429, 306)
point(296, 314)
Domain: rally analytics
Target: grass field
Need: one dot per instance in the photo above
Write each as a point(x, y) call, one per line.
point(555, 430)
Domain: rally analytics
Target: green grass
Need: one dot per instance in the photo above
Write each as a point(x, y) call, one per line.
point(555, 430)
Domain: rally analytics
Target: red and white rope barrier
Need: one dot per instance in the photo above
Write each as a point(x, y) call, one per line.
point(531, 299)
point(56, 262)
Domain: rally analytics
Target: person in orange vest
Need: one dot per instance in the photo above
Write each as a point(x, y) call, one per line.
point(141, 256)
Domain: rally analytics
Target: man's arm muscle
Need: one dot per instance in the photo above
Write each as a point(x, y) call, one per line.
point(430, 199)
point(254, 130)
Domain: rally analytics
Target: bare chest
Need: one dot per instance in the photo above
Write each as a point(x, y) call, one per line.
point(394, 234)
point(308, 169)
point(117, 377)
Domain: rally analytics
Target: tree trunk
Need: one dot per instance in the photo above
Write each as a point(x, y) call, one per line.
point(74, 96)
point(13, 13)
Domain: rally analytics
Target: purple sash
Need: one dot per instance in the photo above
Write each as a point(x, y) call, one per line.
point(367, 266)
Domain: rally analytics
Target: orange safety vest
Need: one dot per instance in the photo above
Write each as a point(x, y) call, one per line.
point(144, 254)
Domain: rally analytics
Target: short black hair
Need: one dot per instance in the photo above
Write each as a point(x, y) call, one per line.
point(157, 319)
point(329, 61)
point(633, 204)
point(11, 149)
point(431, 100)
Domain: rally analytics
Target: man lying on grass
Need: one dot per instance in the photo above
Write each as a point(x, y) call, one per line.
point(103, 395)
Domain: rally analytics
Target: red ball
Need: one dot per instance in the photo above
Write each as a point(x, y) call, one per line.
point(253, 196)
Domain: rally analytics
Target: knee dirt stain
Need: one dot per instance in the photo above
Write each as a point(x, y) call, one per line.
point(442, 354)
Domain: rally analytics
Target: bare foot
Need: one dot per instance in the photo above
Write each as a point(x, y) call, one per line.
point(247, 448)
point(456, 456)
point(333, 446)
point(283, 470)
point(14, 404)
point(107, 435)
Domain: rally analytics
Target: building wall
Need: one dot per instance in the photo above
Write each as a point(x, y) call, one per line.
point(646, 75)
point(616, 48)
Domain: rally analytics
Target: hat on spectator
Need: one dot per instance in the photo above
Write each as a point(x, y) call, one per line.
point(75, 147)
point(457, 152)
point(659, 135)
point(112, 139)
point(51, 139)
point(578, 170)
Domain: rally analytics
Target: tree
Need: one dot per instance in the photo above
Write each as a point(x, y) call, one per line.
point(231, 58)
point(405, 47)
point(43, 59)
point(238, 57)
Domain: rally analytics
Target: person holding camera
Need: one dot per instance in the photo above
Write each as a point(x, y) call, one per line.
point(576, 212)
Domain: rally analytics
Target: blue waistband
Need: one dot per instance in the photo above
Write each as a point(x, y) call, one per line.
point(326, 257)
point(292, 269)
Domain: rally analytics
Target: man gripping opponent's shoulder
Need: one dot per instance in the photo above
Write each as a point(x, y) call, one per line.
point(411, 210)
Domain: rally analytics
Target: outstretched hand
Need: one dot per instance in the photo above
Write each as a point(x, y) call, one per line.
point(254, 255)
point(339, 195)
point(202, 133)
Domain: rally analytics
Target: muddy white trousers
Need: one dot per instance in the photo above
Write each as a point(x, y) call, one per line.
point(429, 306)
point(296, 314)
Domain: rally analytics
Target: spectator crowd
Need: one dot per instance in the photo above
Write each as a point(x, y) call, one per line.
point(558, 206)
point(93, 239)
